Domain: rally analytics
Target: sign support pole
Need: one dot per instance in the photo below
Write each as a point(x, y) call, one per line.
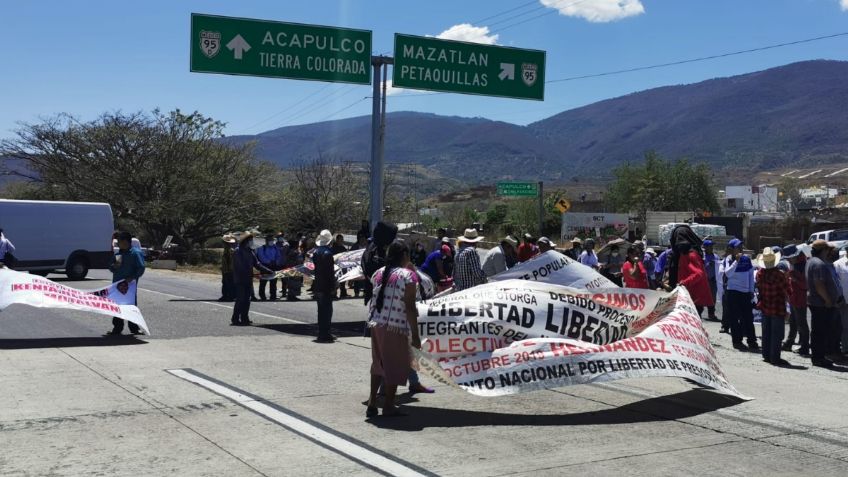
point(541, 210)
point(377, 141)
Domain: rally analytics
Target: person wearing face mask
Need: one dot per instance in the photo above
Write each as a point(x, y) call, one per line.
point(612, 268)
point(739, 273)
point(269, 256)
point(686, 267)
point(244, 261)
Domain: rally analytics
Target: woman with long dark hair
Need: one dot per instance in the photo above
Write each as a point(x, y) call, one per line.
point(393, 323)
point(686, 266)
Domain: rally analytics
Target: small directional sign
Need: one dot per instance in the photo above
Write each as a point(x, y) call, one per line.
point(242, 46)
point(518, 189)
point(460, 67)
point(563, 205)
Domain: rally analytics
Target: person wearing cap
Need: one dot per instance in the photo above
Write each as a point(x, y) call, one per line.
point(495, 261)
point(712, 264)
point(798, 325)
point(269, 256)
point(772, 296)
point(824, 295)
point(575, 250)
point(434, 264)
point(324, 285)
point(588, 257)
point(467, 271)
point(544, 244)
point(127, 265)
point(739, 273)
point(244, 261)
point(228, 292)
point(527, 249)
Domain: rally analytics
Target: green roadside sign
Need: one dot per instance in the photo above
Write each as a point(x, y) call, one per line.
point(472, 68)
point(243, 46)
point(518, 189)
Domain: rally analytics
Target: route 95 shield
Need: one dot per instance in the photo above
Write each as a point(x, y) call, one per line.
point(528, 73)
point(210, 42)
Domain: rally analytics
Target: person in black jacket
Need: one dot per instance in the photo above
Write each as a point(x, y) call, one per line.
point(244, 261)
point(374, 256)
point(324, 285)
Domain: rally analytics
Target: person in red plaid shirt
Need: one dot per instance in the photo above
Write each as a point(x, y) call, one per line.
point(773, 293)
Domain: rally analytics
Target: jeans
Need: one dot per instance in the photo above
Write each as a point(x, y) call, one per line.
point(798, 326)
point(714, 290)
point(773, 328)
point(741, 313)
point(725, 311)
point(822, 324)
point(843, 315)
point(228, 288)
point(241, 309)
point(325, 313)
point(264, 284)
point(118, 324)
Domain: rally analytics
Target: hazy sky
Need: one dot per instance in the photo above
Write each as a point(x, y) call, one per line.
point(86, 57)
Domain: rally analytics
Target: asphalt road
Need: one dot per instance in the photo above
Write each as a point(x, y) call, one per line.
point(199, 397)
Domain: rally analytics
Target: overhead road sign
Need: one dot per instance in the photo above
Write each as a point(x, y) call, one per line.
point(473, 68)
point(518, 189)
point(243, 46)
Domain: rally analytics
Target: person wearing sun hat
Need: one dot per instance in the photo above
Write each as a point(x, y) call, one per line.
point(467, 271)
point(798, 325)
point(772, 296)
point(228, 290)
point(324, 285)
point(824, 295)
point(496, 259)
point(575, 250)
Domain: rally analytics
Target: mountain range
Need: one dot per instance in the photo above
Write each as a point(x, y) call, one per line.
point(789, 116)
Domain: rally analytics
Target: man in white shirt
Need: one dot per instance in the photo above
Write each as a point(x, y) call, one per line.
point(841, 266)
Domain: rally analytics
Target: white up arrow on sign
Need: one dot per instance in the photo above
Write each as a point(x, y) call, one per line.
point(507, 71)
point(238, 46)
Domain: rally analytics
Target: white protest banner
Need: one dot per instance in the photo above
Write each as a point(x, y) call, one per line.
point(554, 267)
point(118, 299)
point(349, 265)
point(515, 336)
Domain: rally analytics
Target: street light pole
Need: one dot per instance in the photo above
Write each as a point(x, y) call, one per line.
point(377, 140)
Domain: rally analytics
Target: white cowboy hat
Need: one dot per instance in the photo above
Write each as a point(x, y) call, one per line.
point(470, 236)
point(768, 259)
point(229, 238)
point(508, 239)
point(324, 238)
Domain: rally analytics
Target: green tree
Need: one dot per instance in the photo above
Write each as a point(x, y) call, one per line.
point(163, 174)
point(659, 184)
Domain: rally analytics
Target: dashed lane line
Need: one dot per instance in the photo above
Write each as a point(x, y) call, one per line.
point(258, 313)
point(320, 434)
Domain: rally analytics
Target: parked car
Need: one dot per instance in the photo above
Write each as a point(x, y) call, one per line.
point(48, 236)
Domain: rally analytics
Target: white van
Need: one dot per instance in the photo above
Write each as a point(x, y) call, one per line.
point(49, 236)
point(837, 238)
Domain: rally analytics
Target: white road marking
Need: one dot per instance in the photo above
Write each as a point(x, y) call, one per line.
point(788, 173)
point(225, 306)
point(840, 171)
point(808, 175)
point(326, 437)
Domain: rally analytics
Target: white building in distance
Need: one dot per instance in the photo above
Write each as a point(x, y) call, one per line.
point(761, 198)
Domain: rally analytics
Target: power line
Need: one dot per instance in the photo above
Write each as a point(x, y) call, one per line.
point(343, 109)
point(287, 108)
point(506, 11)
point(307, 109)
point(702, 58)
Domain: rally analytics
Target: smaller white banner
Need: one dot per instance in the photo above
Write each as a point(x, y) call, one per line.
point(118, 299)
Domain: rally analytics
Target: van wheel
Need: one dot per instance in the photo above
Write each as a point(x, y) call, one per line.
point(77, 268)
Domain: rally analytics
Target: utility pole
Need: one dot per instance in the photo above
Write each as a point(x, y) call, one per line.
point(378, 119)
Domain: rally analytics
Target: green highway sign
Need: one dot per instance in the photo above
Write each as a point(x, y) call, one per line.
point(243, 46)
point(472, 68)
point(519, 189)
